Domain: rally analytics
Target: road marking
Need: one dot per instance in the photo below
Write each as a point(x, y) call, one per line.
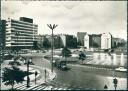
point(21, 86)
point(31, 87)
point(36, 88)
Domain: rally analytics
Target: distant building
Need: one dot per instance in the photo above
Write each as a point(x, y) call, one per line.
point(86, 41)
point(80, 38)
point(69, 41)
point(63, 38)
point(95, 40)
point(106, 41)
point(20, 33)
point(92, 41)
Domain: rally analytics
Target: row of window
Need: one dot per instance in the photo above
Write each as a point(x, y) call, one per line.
point(21, 22)
point(22, 43)
point(21, 25)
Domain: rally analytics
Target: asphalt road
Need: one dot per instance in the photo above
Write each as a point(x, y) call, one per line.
point(82, 77)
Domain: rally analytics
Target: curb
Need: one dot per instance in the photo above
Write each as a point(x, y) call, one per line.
point(51, 75)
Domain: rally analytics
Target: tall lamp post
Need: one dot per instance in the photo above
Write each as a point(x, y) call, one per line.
point(115, 81)
point(52, 27)
point(17, 34)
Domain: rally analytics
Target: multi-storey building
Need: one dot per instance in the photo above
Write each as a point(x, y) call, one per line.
point(86, 41)
point(106, 41)
point(20, 33)
point(69, 41)
point(92, 41)
point(80, 38)
point(100, 41)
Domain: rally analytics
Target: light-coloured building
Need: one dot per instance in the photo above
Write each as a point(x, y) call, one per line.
point(86, 41)
point(106, 41)
point(20, 33)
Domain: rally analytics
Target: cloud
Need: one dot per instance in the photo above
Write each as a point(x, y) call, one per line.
point(71, 17)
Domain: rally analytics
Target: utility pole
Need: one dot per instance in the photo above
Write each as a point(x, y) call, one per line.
point(52, 27)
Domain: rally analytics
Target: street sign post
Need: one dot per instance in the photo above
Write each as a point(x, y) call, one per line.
point(35, 76)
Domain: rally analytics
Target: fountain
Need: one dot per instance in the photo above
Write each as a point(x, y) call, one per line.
point(122, 60)
point(114, 59)
point(109, 60)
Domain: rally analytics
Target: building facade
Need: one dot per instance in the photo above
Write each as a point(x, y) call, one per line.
point(98, 41)
point(86, 41)
point(80, 38)
point(95, 41)
point(20, 33)
point(92, 41)
point(106, 41)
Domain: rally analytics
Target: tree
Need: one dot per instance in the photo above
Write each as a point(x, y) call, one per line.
point(82, 56)
point(12, 75)
point(65, 52)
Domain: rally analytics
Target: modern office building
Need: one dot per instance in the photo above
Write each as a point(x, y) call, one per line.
point(92, 41)
point(95, 40)
point(20, 33)
point(98, 41)
point(69, 41)
point(86, 41)
point(80, 38)
point(106, 41)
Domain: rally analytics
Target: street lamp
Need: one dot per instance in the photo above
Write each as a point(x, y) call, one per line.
point(52, 27)
point(115, 81)
point(17, 34)
point(35, 76)
point(44, 71)
point(28, 79)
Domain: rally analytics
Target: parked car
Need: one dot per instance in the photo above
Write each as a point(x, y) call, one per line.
point(122, 69)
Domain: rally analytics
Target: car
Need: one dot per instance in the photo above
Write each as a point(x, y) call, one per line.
point(122, 69)
point(63, 67)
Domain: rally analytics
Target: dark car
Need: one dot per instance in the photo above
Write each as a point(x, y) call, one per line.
point(61, 65)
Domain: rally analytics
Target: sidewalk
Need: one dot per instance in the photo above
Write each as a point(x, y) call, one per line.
point(40, 77)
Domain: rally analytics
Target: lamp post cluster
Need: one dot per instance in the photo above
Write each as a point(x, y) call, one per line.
point(52, 27)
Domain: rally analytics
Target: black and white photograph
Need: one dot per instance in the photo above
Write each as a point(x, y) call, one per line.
point(63, 45)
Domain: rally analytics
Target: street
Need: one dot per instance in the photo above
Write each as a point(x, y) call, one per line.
point(83, 77)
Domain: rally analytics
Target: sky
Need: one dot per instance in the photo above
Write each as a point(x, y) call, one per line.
point(93, 17)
